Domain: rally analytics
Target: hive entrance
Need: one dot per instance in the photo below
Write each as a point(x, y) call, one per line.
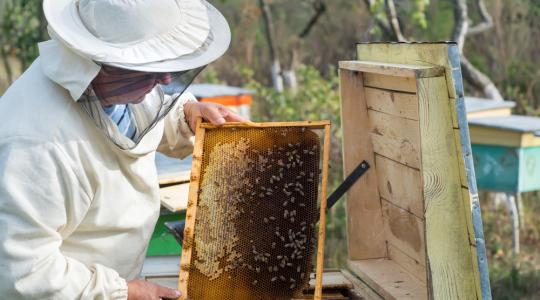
point(253, 228)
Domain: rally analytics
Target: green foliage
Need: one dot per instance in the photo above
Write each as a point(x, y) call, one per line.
point(413, 10)
point(418, 13)
point(210, 75)
point(513, 276)
point(21, 29)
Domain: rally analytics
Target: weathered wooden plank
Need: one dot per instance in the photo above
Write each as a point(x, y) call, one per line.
point(175, 198)
point(400, 185)
point(461, 161)
point(498, 112)
point(468, 202)
point(360, 291)
point(393, 103)
point(449, 253)
point(466, 197)
point(311, 124)
point(331, 280)
point(409, 264)
point(327, 295)
point(393, 83)
point(421, 54)
point(404, 231)
point(395, 138)
point(481, 135)
point(455, 122)
point(363, 201)
point(193, 198)
point(322, 215)
point(174, 178)
point(400, 70)
point(388, 279)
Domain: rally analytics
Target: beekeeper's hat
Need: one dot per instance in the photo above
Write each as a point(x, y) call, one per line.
point(144, 35)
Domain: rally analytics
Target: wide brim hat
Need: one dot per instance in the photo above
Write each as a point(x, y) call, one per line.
point(147, 35)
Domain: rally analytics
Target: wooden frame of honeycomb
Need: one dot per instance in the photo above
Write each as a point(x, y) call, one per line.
point(252, 210)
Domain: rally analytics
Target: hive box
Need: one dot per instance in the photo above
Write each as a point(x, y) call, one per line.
point(414, 226)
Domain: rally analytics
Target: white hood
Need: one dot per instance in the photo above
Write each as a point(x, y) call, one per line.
point(69, 70)
point(75, 74)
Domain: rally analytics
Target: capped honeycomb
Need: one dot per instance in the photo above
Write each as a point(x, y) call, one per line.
point(256, 213)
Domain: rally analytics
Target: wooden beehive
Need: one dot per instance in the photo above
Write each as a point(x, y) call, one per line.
point(252, 212)
point(414, 227)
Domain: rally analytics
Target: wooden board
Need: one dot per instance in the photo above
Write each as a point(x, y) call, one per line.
point(414, 267)
point(322, 215)
point(490, 113)
point(360, 291)
point(481, 135)
point(462, 171)
point(391, 83)
point(175, 197)
point(174, 178)
point(395, 138)
point(401, 185)
point(187, 248)
point(392, 103)
point(427, 54)
point(449, 252)
point(431, 242)
point(332, 280)
point(388, 279)
point(404, 231)
point(363, 201)
point(401, 70)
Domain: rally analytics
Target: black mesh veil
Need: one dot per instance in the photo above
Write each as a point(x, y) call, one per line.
point(144, 115)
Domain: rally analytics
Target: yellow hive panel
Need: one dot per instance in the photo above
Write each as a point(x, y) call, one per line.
point(254, 233)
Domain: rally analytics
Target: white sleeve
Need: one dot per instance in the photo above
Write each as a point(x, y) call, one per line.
point(41, 202)
point(178, 139)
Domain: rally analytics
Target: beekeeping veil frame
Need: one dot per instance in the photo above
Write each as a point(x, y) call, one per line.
point(256, 193)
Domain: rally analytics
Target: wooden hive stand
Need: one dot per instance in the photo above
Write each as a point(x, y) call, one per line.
point(414, 226)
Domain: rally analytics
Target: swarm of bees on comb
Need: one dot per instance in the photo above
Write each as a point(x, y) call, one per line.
point(256, 213)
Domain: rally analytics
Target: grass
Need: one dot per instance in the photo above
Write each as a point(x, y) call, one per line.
point(513, 276)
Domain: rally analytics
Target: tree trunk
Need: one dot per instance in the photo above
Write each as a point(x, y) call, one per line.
point(471, 74)
point(391, 14)
point(479, 80)
point(7, 66)
point(275, 69)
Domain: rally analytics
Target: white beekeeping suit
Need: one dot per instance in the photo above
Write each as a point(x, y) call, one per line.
point(78, 202)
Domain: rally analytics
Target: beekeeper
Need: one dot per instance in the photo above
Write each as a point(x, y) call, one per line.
point(78, 135)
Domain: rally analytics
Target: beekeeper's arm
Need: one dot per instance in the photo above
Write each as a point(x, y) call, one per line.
point(181, 121)
point(42, 200)
point(178, 138)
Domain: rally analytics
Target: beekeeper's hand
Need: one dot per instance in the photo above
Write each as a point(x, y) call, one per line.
point(216, 114)
point(144, 290)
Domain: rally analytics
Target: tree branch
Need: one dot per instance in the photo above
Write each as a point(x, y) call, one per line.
point(487, 20)
point(461, 23)
point(393, 20)
point(275, 69)
point(385, 27)
point(320, 8)
point(269, 28)
point(479, 80)
point(476, 78)
point(7, 66)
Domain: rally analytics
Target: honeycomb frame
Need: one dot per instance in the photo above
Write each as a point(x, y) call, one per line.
point(198, 251)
